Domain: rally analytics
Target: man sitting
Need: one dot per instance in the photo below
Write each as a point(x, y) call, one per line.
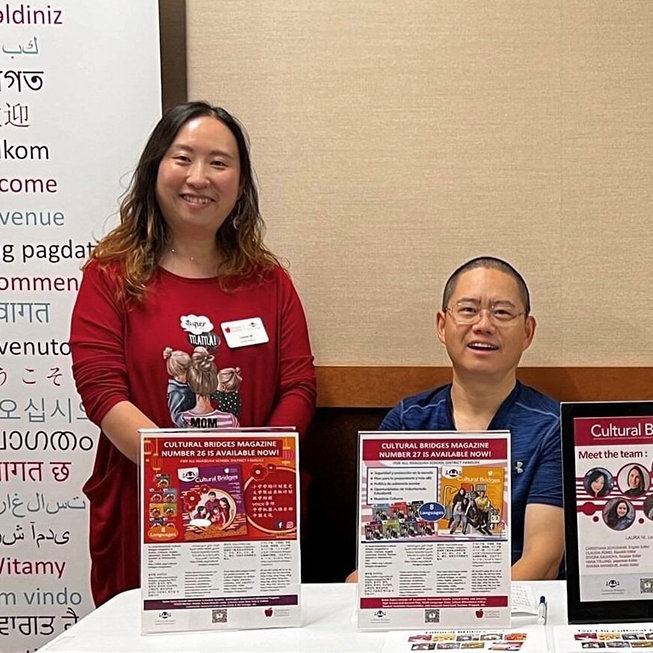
point(485, 325)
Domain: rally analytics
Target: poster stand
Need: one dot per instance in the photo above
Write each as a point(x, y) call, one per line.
point(434, 530)
point(219, 529)
point(607, 462)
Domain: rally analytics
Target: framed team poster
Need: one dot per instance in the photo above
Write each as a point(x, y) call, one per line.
point(608, 458)
point(220, 545)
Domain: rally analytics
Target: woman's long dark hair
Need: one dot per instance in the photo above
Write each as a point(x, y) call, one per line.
point(612, 519)
point(141, 238)
point(641, 483)
point(597, 473)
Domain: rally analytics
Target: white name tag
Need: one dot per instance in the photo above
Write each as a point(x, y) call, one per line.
point(241, 333)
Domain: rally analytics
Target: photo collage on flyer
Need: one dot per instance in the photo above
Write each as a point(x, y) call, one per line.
point(614, 505)
point(527, 640)
point(220, 530)
point(592, 638)
point(434, 544)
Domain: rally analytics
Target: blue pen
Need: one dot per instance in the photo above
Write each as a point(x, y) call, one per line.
point(541, 611)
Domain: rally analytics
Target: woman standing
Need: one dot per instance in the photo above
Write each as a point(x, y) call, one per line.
point(186, 267)
point(459, 516)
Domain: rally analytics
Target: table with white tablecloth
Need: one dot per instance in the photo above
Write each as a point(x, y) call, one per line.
point(328, 626)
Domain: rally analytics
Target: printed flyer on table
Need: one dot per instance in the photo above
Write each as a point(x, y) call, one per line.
point(531, 639)
point(220, 546)
point(576, 639)
point(434, 530)
point(614, 505)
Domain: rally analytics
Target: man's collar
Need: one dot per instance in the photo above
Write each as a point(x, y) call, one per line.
point(504, 408)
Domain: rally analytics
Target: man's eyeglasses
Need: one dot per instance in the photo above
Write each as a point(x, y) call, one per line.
point(470, 312)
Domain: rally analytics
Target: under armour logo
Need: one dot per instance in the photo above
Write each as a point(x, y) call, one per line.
point(519, 467)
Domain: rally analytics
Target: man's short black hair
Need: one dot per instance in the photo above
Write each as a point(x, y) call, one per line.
point(487, 262)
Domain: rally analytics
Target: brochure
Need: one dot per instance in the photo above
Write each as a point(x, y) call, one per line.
point(573, 639)
point(608, 462)
point(434, 530)
point(219, 530)
point(529, 639)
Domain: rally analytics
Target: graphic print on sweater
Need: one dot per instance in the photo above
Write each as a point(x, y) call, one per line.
point(199, 395)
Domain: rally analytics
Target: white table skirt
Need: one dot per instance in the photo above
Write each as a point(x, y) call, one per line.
point(328, 626)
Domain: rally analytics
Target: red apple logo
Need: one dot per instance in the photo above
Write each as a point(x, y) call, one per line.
point(268, 612)
point(479, 613)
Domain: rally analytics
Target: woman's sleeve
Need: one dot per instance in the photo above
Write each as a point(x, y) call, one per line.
point(297, 388)
point(96, 343)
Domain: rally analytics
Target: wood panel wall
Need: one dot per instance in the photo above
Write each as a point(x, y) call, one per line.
point(341, 386)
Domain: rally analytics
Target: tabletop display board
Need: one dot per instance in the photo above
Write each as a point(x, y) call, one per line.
point(434, 530)
point(219, 520)
point(607, 455)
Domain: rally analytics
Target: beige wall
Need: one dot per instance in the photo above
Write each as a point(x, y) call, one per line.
point(395, 140)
